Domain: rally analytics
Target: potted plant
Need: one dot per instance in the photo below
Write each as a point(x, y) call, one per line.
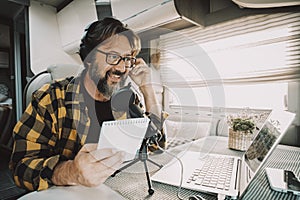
point(243, 125)
point(241, 129)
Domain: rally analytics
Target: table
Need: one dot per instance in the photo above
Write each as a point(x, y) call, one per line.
point(131, 183)
point(74, 193)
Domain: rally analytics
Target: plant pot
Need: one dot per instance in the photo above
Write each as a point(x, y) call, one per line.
point(239, 140)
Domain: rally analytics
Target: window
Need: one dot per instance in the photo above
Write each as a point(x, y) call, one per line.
point(246, 62)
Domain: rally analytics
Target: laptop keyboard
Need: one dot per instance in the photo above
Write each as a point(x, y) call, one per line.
point(215, 173)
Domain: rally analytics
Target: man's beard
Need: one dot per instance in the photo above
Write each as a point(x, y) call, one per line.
point(105, 89)
point(102, 85)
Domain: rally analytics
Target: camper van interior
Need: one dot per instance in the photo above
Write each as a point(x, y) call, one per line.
point(211, 61)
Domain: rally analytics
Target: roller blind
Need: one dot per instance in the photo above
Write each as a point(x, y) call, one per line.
point(252, 49)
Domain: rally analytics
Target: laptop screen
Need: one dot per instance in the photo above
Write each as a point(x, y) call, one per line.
point(261, 145)
point(267, 138)
point(264, 143)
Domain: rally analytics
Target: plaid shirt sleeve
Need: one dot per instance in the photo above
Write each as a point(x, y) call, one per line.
point(35, 136)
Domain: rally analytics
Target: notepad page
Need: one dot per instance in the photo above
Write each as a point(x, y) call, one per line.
point(124, 135)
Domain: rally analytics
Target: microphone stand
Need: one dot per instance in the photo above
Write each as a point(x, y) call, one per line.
point(123, 100)
point(143, 157)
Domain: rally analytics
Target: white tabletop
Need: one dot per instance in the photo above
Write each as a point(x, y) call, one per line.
point(132, 184)
point(208, 144)
point(74, 193)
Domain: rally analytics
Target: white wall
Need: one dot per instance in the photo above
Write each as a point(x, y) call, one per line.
point(45, 43)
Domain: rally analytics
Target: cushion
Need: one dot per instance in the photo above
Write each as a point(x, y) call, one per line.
point(3, 97)
point(3, 89)
point(3, 92)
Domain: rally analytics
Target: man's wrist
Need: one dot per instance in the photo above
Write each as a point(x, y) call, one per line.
point(149, 98)
point(146, 88)
point(64, 174)
point(148, 93)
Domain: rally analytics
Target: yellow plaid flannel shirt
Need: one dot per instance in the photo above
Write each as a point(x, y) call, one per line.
point(52, 129)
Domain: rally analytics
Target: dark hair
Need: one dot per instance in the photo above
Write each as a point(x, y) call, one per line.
point(98, 31)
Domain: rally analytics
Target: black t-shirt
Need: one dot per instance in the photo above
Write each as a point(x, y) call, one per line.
point(98, 112)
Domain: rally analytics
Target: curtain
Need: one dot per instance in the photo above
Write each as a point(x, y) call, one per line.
point(251, 49)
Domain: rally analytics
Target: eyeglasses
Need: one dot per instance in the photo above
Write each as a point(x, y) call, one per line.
point(114, 59)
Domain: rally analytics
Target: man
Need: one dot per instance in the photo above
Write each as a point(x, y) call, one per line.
point(56, 138)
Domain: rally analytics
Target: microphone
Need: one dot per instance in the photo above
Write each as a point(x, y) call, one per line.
point(135, 111)
point(153, 130)
point(123, 100)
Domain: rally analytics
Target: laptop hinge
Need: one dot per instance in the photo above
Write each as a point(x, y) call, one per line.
point(238, 175)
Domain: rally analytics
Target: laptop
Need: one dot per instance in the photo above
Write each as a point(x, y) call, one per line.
point(223, 174)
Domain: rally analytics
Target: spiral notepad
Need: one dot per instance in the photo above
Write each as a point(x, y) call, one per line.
point(124, 135)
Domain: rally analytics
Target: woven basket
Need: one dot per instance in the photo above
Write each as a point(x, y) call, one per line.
point(239, 140)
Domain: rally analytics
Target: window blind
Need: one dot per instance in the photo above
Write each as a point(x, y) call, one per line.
point(251, 49)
